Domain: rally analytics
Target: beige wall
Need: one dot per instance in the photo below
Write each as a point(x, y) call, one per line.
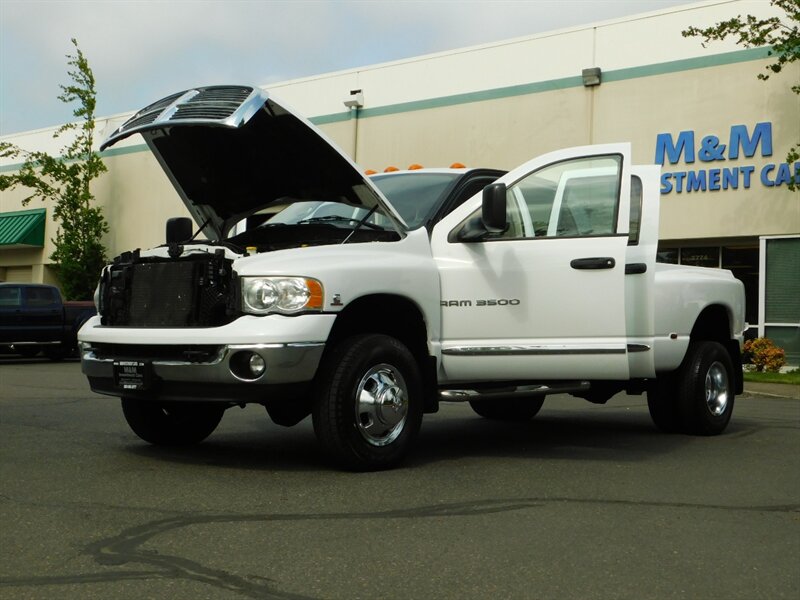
point(137, 200)
point(27, 266)
point(709, 101)
point(504, 133)
point(400, 125)
point(493, 133)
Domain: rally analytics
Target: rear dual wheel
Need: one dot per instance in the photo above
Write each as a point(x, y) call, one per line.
point(698, 398)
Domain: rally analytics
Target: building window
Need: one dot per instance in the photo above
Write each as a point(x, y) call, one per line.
point(780, 294)
point(700, 257)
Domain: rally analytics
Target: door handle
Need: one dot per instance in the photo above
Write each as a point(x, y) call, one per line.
point(635, 268)
point(594, 263)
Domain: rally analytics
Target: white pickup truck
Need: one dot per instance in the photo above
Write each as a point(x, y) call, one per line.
point(364, 302)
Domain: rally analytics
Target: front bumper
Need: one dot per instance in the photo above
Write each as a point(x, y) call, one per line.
point(205, 363)
point(212, 378)
point(286, 363)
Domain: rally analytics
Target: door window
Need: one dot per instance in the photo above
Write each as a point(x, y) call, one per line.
point(572, 198)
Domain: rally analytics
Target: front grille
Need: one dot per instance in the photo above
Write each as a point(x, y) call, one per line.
point(140, 119)
point(228, 94)
point(186, 112)
point(149, 113)
point(194, 291)
point(217, 102)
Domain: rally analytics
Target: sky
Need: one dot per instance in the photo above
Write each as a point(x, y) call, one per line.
point(141, 51)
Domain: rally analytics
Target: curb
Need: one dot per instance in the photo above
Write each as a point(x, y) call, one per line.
point(777, 390)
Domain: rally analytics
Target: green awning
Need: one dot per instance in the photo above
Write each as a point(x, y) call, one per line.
point(22, 229)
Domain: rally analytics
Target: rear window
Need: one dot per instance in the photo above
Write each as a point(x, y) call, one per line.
point(37, 297)
point(10, 296)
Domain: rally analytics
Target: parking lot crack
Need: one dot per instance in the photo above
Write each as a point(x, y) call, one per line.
point(128, 547)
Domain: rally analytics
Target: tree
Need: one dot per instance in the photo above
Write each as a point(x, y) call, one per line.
point(65, 180)
point(781, 34)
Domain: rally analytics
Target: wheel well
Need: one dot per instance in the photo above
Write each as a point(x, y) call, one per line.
point(397, 317)
point(713, 324)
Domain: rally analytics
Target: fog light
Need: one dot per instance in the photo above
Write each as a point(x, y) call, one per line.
point(257, 365)
point(247, 365)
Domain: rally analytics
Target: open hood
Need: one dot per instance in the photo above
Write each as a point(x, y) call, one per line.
point(231, 151)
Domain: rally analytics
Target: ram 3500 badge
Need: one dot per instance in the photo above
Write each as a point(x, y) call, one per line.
point(314, 294)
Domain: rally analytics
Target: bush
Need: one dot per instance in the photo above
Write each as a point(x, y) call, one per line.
point(764, 355)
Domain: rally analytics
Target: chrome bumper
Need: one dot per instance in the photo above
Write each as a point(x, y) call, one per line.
point(285, 364)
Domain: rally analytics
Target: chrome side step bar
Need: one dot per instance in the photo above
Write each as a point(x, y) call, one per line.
point(519, 391)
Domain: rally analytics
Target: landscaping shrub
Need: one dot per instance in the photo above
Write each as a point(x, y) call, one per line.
point(764, 355)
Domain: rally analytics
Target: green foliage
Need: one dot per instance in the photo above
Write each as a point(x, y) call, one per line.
point(764, 355)
point(65, 180)
point(790, 378)
point(782, 34)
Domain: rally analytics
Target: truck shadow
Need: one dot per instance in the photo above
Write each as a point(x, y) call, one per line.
point(622, 435)
point(552, 436)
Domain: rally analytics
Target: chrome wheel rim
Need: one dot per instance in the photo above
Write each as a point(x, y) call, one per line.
point(381, 405)
point(717, 389)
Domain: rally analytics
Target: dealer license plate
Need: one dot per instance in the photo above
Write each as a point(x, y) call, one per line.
point(132, 374)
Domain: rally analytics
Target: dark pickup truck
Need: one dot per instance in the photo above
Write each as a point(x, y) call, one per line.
point(34, 318)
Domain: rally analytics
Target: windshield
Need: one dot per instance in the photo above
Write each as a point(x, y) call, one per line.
point(416, 196)
point(314, 223)
point(334, 213)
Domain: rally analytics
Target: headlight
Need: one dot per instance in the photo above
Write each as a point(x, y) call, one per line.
point(262, 295)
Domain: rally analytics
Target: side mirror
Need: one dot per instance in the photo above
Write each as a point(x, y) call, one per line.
point(493, 211)
point(179, 229)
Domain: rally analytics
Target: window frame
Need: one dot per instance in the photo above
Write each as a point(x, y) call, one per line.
point(489, 237)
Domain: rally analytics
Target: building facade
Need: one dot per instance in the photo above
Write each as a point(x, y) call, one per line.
point(720, 134)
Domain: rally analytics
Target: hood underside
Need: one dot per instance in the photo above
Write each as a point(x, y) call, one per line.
point(231, 151)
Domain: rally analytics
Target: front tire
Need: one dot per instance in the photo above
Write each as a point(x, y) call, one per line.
point(171, 423)
point(515, 409)
point(368, 403)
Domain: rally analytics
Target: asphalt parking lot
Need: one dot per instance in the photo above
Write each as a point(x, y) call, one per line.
point(583, 502)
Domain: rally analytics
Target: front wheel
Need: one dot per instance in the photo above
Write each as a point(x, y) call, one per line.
point(171, 423)
point(368, 403)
